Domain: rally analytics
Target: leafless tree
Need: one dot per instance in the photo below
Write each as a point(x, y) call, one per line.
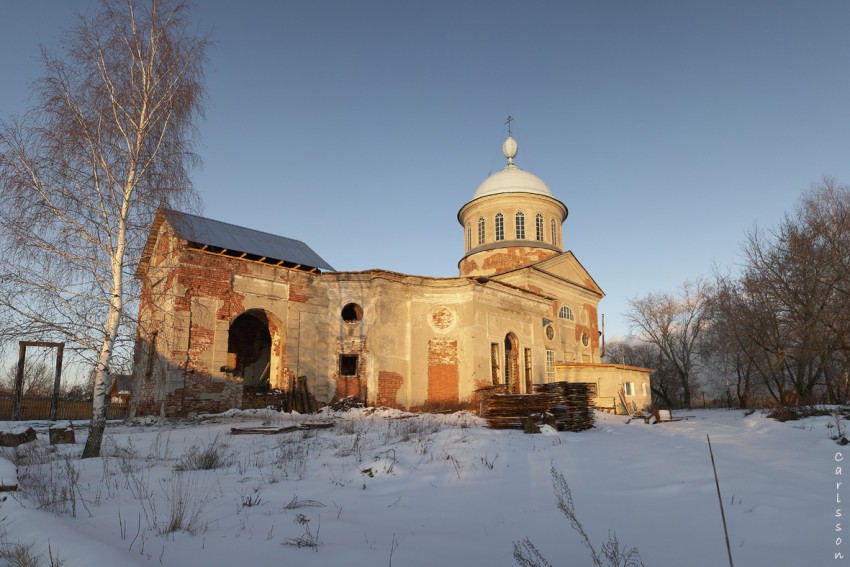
point(825, 211)
point(38, 380)
point(83, 173)
point(664, 383)
point(674, 324)
point(789, 311)
point(727, 352)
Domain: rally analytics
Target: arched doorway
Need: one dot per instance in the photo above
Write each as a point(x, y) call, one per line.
point(249, 347)
point(512, 377)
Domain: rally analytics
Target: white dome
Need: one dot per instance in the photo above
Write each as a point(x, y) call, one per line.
point(512, 180)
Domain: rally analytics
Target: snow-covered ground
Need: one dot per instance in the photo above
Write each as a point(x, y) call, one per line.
point(387, 488)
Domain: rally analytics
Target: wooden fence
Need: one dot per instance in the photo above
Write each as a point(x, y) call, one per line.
point(39, 408)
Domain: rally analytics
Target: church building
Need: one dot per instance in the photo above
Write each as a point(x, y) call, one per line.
point(230, 316)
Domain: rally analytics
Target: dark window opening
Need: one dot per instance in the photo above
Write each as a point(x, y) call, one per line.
point(352, 313)
point(249, 351)
point(512, 376)
point(348, 365)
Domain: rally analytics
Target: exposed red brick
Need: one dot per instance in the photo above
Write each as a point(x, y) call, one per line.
point(592, 330)
point(201, 339)
point(443, 372)
point(468, 266)
point(198, 275)
point(442, 318)
point(389, 383)
point(509, 258)
point(351, 386)
point(298, 293)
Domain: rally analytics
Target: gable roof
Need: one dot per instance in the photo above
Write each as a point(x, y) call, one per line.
point(574, 270)
point(237, 241)
point(564, 266)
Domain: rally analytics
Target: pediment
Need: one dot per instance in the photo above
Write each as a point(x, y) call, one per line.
point(566, 266)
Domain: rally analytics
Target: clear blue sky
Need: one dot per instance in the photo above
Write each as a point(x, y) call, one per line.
point(669, 129)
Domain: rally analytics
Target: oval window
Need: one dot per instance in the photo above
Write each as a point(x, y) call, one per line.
point(585, 340)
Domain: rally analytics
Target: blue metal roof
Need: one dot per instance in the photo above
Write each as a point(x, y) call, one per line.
point(234, 238)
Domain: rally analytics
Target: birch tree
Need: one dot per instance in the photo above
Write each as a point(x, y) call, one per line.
point(108, 142)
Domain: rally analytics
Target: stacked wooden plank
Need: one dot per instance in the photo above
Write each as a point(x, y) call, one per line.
point(569, 406)
point(258, 399)
point(573, 405)
point(274, 430)
point(509, 411)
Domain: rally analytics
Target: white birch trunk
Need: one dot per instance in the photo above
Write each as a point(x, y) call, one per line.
point(102, 383)
point(114, 123)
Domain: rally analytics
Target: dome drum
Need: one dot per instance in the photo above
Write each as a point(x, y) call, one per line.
point(511, 211)
point(496, 260)
point(530, 244)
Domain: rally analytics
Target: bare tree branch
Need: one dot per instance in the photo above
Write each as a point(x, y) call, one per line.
point(84, 172)
point(674, 324)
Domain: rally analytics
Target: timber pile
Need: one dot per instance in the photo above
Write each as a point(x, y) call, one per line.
point(573, 406)
point(481, 395)
point(299, 398)
point(570, 406)
point(272, 430)
point(347, 404)
point(509, 411)
point(253, 398)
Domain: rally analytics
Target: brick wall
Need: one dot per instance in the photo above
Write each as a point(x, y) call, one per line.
point(181, 284)
point(352, 385)
point(442, 372)
point(514, 257)
point(389, 383)
point(502, 259)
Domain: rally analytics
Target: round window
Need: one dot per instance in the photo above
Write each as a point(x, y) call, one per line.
point(585, 340)
point(352, 313)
